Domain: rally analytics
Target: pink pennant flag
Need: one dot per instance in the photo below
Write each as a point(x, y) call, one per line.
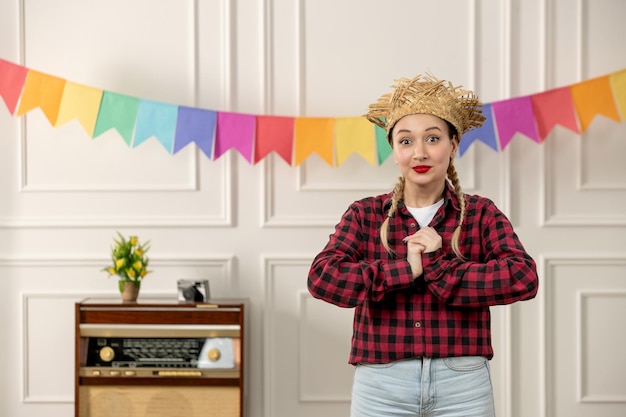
point(274, 133)
point(592, 98)
point(513, 116)
point(12, 78)
point(234, 130)
point(554, 107)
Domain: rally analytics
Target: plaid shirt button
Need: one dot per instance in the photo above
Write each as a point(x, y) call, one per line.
point(418, 324)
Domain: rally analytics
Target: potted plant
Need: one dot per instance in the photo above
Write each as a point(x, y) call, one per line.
point(129, 264)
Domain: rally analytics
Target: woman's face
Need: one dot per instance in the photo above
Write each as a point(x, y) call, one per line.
point(423, 148)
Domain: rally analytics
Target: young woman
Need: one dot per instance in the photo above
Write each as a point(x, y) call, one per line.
point(422, 265)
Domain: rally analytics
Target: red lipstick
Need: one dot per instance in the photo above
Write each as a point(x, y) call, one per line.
point(421, 169)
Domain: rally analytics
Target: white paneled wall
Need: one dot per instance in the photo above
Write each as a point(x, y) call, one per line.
point(253, 230)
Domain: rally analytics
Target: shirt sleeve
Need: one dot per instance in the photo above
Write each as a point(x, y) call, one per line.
point(353, 267)
point(504, 274)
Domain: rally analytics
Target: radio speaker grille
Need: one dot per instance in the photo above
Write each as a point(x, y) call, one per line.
point(151, 401)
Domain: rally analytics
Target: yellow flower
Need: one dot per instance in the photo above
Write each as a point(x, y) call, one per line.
point(129, 260)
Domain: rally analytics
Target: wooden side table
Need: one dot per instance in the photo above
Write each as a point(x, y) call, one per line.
point(114, 377)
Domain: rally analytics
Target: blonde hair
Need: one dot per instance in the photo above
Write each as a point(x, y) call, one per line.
point(398, 195)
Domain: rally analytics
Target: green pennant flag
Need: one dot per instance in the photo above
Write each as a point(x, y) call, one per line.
point(117, 111)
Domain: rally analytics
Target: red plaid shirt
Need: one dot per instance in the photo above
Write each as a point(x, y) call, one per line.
point(445, 311)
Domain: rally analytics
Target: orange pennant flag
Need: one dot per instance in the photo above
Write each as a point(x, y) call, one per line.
point(618, 83)
point(82, 103)
point(313, 134)
point(43, 91)
point(594, 97)
point(274, 133)
point(355, 134)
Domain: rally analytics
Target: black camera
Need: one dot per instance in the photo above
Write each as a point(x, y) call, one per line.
point(193, 291)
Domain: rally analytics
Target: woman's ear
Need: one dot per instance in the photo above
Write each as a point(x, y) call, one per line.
point(455, 146)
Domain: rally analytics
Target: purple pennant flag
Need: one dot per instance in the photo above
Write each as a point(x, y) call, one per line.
point(195, 125)
point(513, 116)
point(486, 133)
point(234, 130)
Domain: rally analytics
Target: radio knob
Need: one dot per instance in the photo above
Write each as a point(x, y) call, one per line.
point(214, 354)
point(107, 353)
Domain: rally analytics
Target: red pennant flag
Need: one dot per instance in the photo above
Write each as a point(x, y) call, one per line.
point(274, 133)
point(12, 78)
point(554, 107)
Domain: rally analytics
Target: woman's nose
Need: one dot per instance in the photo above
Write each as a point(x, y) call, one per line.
point(419, 152)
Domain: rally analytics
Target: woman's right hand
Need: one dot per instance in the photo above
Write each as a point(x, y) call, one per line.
point(414, 256)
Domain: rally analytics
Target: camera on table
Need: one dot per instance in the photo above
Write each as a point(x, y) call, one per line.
point(193, 291)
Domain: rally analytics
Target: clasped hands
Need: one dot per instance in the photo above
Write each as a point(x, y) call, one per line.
point(424, 240)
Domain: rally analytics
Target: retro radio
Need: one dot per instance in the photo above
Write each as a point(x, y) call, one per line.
point(159, 358)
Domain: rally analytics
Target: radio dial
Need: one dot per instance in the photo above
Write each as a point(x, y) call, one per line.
point(214, 354)
point(107, 353)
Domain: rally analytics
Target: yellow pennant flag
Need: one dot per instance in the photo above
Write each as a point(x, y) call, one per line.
point(618, 83)
point(43, 91)
point(82, 103)
point(593, 97)
point(355, 134)
point(313, 134)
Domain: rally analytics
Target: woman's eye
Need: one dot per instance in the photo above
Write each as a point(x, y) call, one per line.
point(432, 139)
point(405, 141)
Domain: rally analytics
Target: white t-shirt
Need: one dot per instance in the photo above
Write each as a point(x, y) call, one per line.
point(424, 215)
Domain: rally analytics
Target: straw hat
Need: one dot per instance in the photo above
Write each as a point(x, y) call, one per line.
point(425, 94)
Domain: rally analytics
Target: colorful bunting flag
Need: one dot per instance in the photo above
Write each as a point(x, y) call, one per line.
point(355, 135)
point(486, 133)
point(195, 125)
point(313, 135)
point(12, 78)
point(158, 120)
point(274, 134)
point(294, 139)
point(618, 85)
point(82, 103)
point(383, 148)
point(234, 131)
point(514, 116)
point(592, 98)
point(117, 111)
point(43, 91)
point(554, 107)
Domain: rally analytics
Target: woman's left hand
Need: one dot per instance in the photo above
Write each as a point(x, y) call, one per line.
point(426, 237)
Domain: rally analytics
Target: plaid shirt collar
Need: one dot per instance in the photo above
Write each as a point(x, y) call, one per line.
point(449, 196)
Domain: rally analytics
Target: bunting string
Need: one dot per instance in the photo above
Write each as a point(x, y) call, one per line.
point(294, 139)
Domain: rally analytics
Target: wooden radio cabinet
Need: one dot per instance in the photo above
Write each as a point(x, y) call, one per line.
point(159, 358)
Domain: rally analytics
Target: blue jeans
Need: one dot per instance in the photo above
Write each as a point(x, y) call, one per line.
point(420, 387)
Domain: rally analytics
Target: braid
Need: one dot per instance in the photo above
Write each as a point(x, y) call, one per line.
point(398, 195)
point(454, 178)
